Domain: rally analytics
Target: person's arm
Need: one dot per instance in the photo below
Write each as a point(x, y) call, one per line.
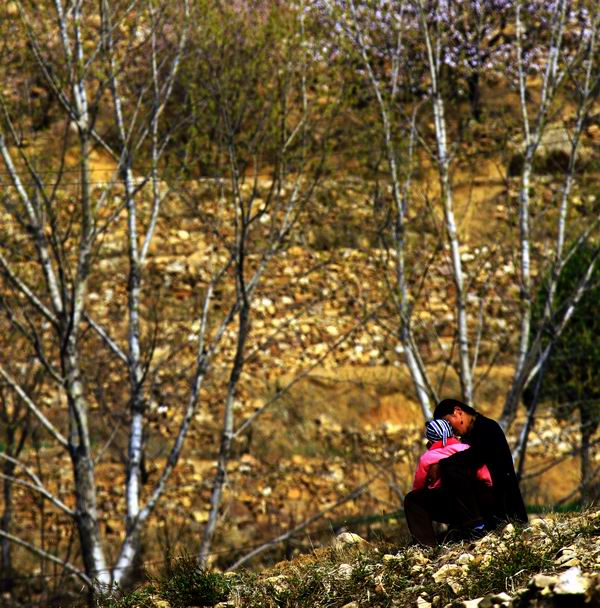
point(488, 446)
point(466, 459)
point(434, 473)
point(421, 474)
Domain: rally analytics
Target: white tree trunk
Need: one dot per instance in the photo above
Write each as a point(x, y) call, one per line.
point(443, 163)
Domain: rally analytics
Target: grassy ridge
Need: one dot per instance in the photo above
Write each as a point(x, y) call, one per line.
point(356, 573)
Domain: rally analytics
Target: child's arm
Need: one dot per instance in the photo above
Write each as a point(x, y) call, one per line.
point(421, 473)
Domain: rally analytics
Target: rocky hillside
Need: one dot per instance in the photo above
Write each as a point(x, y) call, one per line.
point(338, 407)
point(326, 422)
point(552, 562)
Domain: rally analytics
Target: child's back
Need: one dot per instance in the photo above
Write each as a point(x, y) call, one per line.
point(443, 443)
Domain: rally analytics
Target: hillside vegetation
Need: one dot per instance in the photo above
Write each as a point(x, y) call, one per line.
point(552, 562)
point(244, 249)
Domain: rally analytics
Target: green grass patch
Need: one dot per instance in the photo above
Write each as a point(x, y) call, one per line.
point(139, 598)
point(507, 569)
point(184, 583)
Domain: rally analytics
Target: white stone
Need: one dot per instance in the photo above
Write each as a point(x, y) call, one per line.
point(447, 571)
point(570, 563)
point(176, 267)
point(501, 598)
point(566, 555)
point(419, 558)
point(571, 582)
point(388, 557)
point(345, 571)
point(537, 522)
point(348, 538)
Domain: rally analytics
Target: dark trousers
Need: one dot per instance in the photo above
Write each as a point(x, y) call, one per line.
point(464, 505)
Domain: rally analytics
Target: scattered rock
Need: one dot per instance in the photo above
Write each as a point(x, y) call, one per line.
point(279, 582)
point(571, 582)
point(345, 571)
point(465, 559)
point(446, 572)
point(388, 557)
point(347, 539)
point(571, 588)
point(542, 581)
point(494, 600)
point(418, 558)
point(565, 554)
point(176, 267)
point(423, 603)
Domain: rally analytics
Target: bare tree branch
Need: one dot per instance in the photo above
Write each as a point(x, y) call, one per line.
point(33, 407)
point(36, 485)
point(48, 556)
point(355, 493)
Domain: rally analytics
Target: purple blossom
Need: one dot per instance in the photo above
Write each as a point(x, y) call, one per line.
point(475, 35)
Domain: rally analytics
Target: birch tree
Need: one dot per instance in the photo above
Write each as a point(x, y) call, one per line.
point(357, 21)
point(433, 44)
point(349, 19)
point(262, 121)
point(120, 97)
point(577, 63)
point(390, 38)
point(78, 70)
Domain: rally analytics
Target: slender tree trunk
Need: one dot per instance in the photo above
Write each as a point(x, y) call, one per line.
point(423, 388)
point(79, 436)
point(587, 426)
point(226, 438)
point(6, 569)
point(433, 47)
point(527, 350)
point(243, 303)
point(83, 473)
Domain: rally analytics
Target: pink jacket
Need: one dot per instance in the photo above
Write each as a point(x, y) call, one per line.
point(436, 453)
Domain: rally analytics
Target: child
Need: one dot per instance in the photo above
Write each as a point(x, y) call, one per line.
point(441, 444)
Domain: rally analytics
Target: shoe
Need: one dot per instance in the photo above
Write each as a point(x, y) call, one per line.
point(477, 532)
point(466, 533)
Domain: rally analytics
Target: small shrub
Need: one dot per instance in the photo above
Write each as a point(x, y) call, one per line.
point(184, 583)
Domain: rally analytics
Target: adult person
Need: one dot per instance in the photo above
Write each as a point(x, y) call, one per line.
point(433, 500)
point(488, 446)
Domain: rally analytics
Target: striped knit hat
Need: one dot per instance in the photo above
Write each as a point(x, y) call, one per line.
point(437, 429)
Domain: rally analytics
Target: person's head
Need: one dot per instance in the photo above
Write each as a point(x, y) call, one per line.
point(458, 414)
point(436, 430)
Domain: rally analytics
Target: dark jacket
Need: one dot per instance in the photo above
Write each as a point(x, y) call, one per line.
point(489, 447)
